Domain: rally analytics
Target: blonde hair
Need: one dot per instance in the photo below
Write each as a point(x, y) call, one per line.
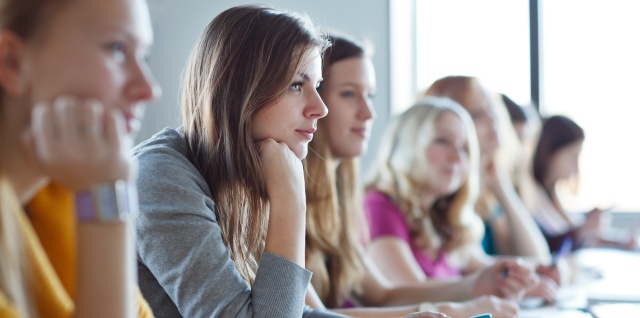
point(25, 18)
point(451, 223)
point(460, 88)
point(335, 220)
point(242, 63)
point(13, 267)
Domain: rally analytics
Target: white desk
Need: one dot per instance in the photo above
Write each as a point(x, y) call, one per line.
point(603, 276)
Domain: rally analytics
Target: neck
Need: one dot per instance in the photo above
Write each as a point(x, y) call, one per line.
point(549, 184)
point(335, 164)
point(20, 164)
point(427, 200)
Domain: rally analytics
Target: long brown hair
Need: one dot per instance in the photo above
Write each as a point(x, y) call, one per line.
point(334, 214)
point(242, 63)
point(451, 222)
point(25, 18)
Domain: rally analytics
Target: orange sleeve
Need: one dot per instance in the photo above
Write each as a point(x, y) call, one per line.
point(6, 309)
point(49, 296)
point(52, 215)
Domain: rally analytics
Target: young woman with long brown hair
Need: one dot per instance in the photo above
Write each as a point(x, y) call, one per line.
point(222, 205)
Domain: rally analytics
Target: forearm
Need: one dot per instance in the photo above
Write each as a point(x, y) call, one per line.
point(286, 232)
point(106, 272)
point(429, 291)
point(526, 237)
point(377, 312)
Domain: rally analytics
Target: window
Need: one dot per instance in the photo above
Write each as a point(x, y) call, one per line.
point(488, 39)
point(590, 72)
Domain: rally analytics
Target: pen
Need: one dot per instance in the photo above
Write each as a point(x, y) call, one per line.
point(563, 251)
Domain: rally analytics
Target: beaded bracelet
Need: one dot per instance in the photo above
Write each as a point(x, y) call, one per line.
point(107, 202)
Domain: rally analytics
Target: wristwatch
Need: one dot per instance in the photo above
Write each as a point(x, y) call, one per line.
point(107, 202)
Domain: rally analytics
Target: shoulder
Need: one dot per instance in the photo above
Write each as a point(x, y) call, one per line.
point(377, 202)
point(377, 197)
point(163, 161)
point(168, 144)
point(384, 216)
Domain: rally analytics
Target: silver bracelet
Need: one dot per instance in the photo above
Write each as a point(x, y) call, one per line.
point(107, 202)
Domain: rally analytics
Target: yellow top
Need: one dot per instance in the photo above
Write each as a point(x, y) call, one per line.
point(6, 309)
point(50, 244)
point(49, 297)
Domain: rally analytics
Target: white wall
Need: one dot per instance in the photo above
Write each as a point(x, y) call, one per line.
point(177, 25)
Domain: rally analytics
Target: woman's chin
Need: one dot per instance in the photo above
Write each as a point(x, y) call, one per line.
point(301, 151)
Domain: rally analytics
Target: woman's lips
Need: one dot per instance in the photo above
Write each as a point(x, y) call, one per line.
point(361, 132)
point(306, 133)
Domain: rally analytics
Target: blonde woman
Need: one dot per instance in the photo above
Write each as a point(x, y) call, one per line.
point(74, 82)
point(509, 227)
point(344, 276)
point(510, 230)
point(420, 197)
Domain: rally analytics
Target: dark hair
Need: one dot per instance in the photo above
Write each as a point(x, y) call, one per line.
point(517, 113)
point(243, 62)
point(557, 132)
point(341, 48)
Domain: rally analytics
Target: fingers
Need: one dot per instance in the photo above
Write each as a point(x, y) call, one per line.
point(503, 308)
point(64, 119)
point(42, 130)
point(552, 272)
point(506, 310)
point(115, 130)
point(511, 289)
point(499, 308)
point(548, 290)
point(77, 143)
point(89, 126)
point(514, 278)
point(283, 172)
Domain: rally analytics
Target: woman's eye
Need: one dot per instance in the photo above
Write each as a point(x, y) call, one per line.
point(297, 86)
point(117, 49)
point(441, 141)
point(347, 94)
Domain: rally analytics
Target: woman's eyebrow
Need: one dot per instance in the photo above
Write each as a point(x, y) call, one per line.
point(307, 77)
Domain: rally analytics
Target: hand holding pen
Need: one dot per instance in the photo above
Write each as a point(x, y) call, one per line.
point(552, 270)
point(506, 278)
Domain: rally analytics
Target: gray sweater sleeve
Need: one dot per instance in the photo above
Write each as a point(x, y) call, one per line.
point(184, 267)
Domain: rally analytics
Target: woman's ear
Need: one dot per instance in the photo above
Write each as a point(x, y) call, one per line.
point(11, 68)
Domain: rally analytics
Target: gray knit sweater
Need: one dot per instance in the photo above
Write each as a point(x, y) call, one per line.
point(184, 268)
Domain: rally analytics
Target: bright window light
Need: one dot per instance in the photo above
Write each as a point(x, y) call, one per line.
point(590, 73)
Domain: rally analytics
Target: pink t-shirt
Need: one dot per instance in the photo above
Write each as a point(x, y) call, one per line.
point(386, 219)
